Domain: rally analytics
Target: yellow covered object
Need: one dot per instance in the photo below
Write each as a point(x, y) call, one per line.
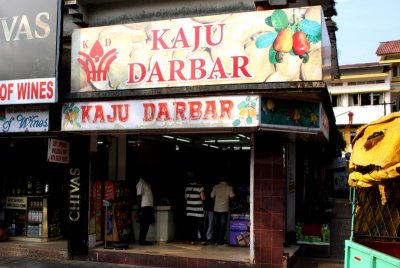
point(376, 152)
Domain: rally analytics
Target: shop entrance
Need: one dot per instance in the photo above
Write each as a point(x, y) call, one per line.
point(167, 160)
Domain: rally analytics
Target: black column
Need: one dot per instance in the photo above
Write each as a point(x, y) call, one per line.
point(78, 197)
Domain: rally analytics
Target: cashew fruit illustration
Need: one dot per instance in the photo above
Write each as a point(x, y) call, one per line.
point(313, 118)
point(301, 46)
point(283, 43)
point(269, 105)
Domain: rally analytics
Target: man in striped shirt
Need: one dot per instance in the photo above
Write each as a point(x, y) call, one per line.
point(194, 194)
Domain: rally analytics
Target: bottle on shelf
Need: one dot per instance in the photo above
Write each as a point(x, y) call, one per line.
point(13, 225)
point(38, 187)
point(29, 186)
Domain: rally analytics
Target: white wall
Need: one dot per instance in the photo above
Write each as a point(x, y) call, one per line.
point(361, 114)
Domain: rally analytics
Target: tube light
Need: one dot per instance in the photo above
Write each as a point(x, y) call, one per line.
point(227, 141)
point(183, 140)
point(221, 141)
point(243, 136)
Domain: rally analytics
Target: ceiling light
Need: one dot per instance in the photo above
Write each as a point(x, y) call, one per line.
point(183, 140)
point(227, 141)
point(168, 137)
point(243, 136)
point(222, 141)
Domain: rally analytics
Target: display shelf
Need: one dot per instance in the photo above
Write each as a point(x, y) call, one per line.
point(30, 219)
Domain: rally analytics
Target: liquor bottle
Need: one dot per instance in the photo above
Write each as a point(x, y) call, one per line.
point(29, 187)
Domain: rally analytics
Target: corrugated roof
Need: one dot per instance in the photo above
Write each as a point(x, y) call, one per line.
point(389, 47)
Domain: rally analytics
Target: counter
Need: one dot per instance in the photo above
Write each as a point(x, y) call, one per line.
point(163, 229)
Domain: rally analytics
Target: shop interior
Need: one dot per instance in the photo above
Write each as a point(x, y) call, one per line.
point(165, 161)
point(32, 191)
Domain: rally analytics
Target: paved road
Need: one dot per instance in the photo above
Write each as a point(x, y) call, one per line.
point(23, 262)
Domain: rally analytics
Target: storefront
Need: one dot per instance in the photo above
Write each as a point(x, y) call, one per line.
point(226, 96)
point(30, 181)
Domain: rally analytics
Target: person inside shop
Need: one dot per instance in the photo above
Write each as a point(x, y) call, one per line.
point(208, 213)
point(223, 194)
point(194, 196)
point(145, 209)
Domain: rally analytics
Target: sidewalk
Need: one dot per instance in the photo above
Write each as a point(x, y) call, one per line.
point(18, 262)
point(54, 254)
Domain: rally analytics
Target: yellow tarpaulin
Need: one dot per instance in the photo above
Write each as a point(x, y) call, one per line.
point(376, 152)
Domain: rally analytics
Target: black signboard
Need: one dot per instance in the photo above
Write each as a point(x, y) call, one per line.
point(29, 39)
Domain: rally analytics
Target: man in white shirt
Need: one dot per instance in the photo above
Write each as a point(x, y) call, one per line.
point(146, 215)
point(223, 193)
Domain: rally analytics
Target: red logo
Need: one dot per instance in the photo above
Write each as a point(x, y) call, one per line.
point(96, 64)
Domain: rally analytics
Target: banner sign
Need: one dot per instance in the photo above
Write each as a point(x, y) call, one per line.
point(58, 151)
point(29, 39)
point(251, 47)
point(16, 202)
point(208, 112)
point(24, 119)
point(293, 115)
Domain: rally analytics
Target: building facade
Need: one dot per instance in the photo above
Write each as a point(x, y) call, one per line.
point(361, 95)
point(162, 88)
point(366, 91)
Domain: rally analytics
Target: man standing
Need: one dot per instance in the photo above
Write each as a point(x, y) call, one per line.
point(223, 193)
point(194, 195)
point(145, 204)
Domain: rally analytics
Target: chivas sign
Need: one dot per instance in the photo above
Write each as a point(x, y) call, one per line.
point(75, 193)
point(77, 238)
point(254, 47)
point(29, 39)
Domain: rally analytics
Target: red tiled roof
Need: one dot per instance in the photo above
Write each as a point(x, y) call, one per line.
point(389, 47)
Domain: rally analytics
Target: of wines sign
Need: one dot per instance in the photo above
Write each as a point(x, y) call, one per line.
point(29, 38)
